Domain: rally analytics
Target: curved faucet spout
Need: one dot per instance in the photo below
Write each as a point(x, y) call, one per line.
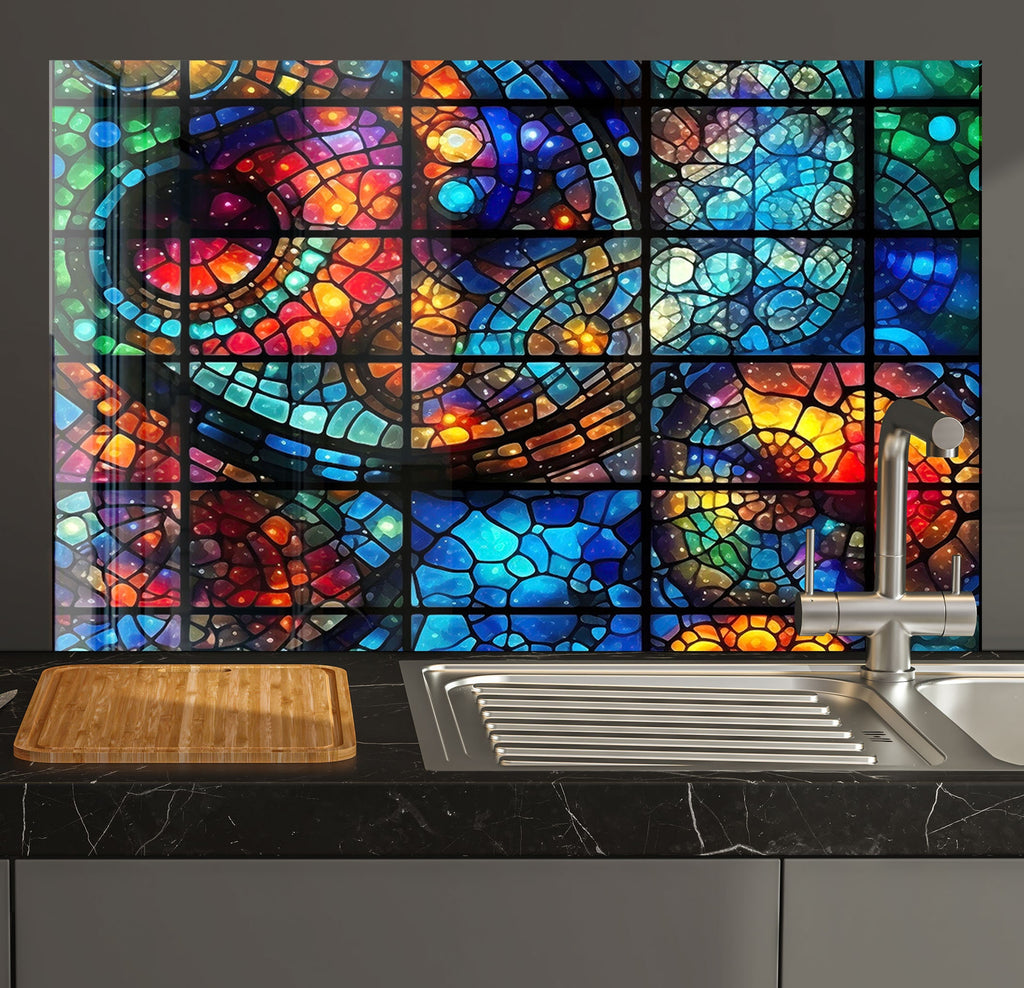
point(942, 436)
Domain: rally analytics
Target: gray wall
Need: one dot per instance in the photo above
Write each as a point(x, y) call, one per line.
point(37, 31)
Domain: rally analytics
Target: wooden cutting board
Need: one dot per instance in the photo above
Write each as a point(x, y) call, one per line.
point(188, 713)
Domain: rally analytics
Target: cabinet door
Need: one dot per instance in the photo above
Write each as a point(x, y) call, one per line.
point(5, 924)
point(397, 924)
point(884, 921)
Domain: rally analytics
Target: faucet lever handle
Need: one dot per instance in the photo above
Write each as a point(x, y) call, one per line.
point(956, 584)
point(809, 563)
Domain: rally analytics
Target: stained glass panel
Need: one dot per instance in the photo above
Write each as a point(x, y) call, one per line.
point(101, 153)
point(928, 80)
point(118, 547)
point(341, 422)
point(505, 79)
point(744, 548)
point(522, 167)
point(758, 422)
point(689, 78)
point(565, 421)
point(262, 549)
point(542, 296)
point(112, 632)
point(92, 79)
point(754, 167)
point(502, 355)
point(749, 632)
point(945, 643)
point(490, 632)
point(104, 435)
point(295, 632)
point(927, 297)
point(301, 78)
point(953, 389)
point(569, 550)
point(740, 295)
point(258, 169)
point(104, 304)
point(315, 296)
point(927, 168)
point(942, 523)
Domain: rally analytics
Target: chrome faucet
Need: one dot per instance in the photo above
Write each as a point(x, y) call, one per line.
point(889, 615)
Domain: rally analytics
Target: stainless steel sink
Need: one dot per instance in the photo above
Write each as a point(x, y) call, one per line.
point(518, 714)
point(990, 710)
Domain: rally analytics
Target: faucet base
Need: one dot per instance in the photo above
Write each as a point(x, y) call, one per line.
point(888, 658)
point(887, 676)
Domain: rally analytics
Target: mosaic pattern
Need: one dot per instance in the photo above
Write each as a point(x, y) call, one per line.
point(765, 295)
point(295, 632)
point(501, 79)
point(155, 78)
point(758, 422)
point(258, 549)
point(109, 632)
point(934, 643)
point(928, 80)
point(102, 435)
point(927, 297)
point(567, 422)
point(943, 523)
point(689, 78)
point(118, 547)
point(106, 160)
point(740, 633)
point(572, 550)
point(543, 297)
point(315, 296)
point(927, 168)
point(292, 418)
point(102, 307)
point(754, 167)
point(743, 548)
point(569, 632)
point(311, 168)
point(502, 355)
point(302, 78)
point(100, 153)
point(953, 389)
point(519, 167)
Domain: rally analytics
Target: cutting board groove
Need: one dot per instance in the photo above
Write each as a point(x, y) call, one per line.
point(219, 712)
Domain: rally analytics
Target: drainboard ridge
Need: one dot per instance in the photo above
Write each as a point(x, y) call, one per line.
point(594, 725)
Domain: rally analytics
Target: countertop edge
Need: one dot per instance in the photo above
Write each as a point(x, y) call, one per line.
point(387, 805)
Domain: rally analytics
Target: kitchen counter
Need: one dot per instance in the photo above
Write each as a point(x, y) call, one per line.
point(384, 803)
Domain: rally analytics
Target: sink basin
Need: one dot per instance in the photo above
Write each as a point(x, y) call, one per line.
point(990, 710)
point(629, 714)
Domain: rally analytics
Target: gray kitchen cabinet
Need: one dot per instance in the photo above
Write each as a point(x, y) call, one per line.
point(5, 924)
point(397, 923)
point(884, 921)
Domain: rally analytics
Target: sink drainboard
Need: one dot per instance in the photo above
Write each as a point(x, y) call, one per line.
point(629, 715)
point(551, 724)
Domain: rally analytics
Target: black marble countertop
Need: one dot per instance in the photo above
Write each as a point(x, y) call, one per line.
point(384, 803)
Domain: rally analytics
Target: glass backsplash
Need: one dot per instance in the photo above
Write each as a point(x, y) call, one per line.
point(516, 355)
